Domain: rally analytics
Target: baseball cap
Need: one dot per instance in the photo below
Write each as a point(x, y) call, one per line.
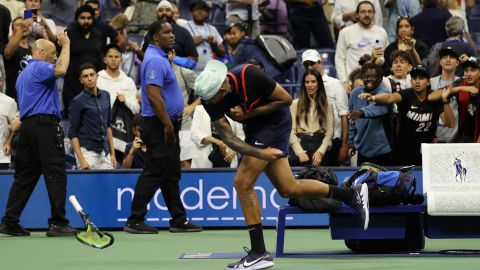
point(420, 70)
point(311, 55)
point(471, 62)
point(210, 80)
point(164, 3)
point(447, 51)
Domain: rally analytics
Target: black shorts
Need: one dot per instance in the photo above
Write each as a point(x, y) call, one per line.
point(272, 130)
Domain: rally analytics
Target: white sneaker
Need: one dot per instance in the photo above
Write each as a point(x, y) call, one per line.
point(253, 261)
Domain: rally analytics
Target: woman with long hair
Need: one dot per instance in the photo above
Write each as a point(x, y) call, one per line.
point(405, 42)
point(312, 128)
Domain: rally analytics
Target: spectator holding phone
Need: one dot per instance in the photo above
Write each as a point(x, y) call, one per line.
point(42, 27)
point(16, 53)
point(135, 158)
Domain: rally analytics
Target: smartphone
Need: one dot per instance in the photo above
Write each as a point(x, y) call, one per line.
point(31, 13)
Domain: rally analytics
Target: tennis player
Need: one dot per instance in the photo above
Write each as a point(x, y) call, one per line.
point(249, 96)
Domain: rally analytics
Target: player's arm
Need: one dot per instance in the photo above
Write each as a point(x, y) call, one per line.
point(278, 99)
point(228, 137)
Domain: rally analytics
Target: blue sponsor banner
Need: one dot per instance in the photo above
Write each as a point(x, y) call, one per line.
point(208, 196)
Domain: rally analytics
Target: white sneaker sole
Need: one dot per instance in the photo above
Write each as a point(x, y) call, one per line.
point(364, 195)
point(257, 266)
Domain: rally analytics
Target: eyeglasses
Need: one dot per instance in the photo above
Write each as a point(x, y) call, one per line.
point(403, 17)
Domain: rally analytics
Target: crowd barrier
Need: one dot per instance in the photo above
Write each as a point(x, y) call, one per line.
point(208, 195)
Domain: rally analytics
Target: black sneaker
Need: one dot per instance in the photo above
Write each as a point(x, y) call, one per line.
point(57, 230)
point(186, 226)
point(253, 261)
point(139, 227)
point(13, 230)
point(360, 204)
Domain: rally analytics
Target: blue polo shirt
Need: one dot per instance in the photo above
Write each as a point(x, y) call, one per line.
point(37, 90)
point(157, 70)
point(90, 117)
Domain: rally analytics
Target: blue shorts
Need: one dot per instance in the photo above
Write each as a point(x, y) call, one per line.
point(272, 130)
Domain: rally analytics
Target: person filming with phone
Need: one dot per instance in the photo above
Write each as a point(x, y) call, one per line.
point(135, 151)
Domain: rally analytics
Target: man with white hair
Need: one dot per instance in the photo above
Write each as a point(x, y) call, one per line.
point(337, 97)
point(247, 95)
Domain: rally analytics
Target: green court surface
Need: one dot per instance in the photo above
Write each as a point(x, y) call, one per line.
point(162, 251)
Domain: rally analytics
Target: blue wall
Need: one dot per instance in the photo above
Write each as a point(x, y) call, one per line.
point(208, 196)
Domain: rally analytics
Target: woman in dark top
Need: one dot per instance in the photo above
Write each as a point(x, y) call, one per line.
point(405, 42)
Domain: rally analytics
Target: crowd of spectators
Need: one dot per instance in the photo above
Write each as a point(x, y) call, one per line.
point(364, 103)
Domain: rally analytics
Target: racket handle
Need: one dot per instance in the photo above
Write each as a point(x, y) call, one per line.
point(74, 202)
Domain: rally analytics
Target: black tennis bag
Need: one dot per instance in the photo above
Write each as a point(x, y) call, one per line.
point(317, 205)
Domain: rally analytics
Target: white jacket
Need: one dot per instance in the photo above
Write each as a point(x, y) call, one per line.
point(121, 85)
point(200, 129)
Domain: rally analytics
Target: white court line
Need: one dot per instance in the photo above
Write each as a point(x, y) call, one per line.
point(208, 219)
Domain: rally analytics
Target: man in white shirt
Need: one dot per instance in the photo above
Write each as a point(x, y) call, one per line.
point(337, 97)
point(344, 13)
point(358, 39)
point(121, 88)
point(8, 111)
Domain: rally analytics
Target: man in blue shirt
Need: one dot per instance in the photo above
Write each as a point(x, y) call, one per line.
point(90, 119)
point(162, 109)
point(367, 133)
point(40, 146)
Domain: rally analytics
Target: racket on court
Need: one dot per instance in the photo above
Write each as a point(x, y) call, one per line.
point(92, 237)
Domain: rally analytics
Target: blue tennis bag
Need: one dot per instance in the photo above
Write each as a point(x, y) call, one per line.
point(386, 187)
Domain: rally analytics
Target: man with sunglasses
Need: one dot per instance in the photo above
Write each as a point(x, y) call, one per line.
point(90, 120)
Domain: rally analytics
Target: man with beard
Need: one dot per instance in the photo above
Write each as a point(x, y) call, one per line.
point(162, 109)
point(184, 44)
point(105, 29)
point(358, 39)
point(86, 47)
